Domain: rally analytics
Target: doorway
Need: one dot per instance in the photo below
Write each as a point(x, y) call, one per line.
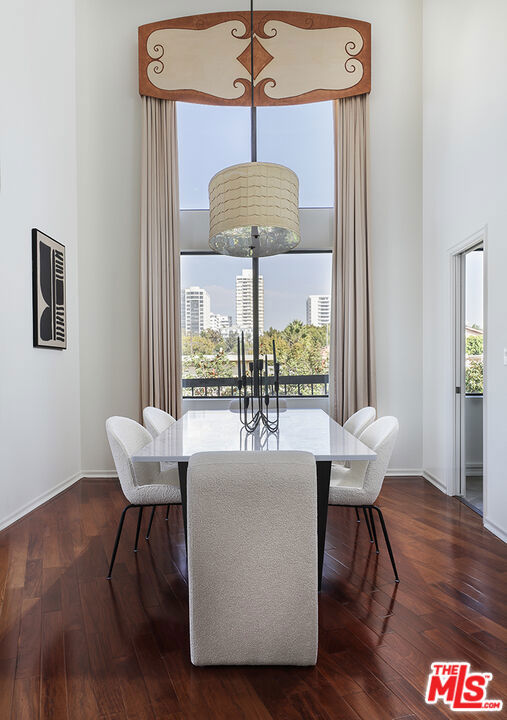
point(469, 365)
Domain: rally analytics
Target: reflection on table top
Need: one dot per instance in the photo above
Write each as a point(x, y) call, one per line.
point(221, 430)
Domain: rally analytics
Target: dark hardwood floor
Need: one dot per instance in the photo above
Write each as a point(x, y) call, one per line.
point(73, 645)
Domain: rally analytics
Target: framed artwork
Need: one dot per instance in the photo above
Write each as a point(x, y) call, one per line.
point(48, 277)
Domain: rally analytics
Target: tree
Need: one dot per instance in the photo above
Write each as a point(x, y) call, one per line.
point(214, 336)
point(474, 345)
point(474, 376)
point(231, 342)
point(208, 366)
point(301, 349)
point(217, 366)
point(197, 345)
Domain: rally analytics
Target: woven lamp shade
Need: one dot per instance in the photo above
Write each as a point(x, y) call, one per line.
point(254, 210)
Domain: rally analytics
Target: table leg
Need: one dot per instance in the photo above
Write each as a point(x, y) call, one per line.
point(182, 472)
point(323, 479)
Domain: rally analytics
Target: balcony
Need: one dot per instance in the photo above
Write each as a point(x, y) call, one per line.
point(290, 386)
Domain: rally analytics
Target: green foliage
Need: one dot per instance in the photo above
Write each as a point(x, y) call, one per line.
point(230, 343)
point(197, 345)
point(474, 345)
point(474, 376)
point(474, 369)
point(216, 366)
point(301, 350)
point(214, 336)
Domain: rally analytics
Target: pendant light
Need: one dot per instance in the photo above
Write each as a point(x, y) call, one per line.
point(254, 207)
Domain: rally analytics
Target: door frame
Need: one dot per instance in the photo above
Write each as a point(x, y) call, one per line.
point(457, 321)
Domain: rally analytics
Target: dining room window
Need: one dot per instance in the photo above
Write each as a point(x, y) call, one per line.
point(295, 288)
point(211, 138)
point(294, 309)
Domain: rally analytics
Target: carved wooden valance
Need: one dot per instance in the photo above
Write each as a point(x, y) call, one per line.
point(298, 57)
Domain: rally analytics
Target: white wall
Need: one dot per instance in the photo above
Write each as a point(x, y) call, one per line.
point(465, 188)
point(39, 388)
point(109, 131)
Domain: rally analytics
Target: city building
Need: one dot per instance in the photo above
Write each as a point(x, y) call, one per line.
point(221, 323)
point(244, 310)
point(195, 310)
point(318, 310)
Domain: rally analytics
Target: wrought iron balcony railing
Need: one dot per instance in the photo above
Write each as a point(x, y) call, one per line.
point(290, 386)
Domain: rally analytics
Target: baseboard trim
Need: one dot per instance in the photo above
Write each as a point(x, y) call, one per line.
point(405, 472)
point(41, 500)
point(495, 529)
point(434, 481)
point(97, 475)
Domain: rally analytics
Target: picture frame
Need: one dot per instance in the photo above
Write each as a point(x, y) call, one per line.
point(49, 292)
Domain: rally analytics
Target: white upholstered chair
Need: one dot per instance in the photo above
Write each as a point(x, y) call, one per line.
point(359, 421)
point(355, 425)
point(252, 558)
point(360, 485)
point(156, 421)
point(142, 483)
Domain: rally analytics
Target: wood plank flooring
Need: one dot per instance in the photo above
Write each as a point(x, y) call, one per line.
point(73, 645)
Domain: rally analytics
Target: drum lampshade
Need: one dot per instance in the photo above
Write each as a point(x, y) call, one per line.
point(254, 210)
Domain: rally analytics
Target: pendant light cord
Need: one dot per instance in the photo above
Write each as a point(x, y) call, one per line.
point(253, 108)
point(255, 235)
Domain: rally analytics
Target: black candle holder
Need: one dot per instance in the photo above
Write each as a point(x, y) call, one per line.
point(254, 397)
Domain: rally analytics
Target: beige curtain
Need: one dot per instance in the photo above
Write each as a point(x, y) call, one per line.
point(352, 350)
point(160, 259)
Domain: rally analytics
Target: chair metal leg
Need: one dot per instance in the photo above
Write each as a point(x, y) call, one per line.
point(118, 535)
point(151, 520)
point(367, 524)
point(373, 528)
point(167, 512)
point(357, 515)
point(386, 538)
point(139, 518)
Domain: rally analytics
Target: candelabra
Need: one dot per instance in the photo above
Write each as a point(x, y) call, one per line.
point(254, 397)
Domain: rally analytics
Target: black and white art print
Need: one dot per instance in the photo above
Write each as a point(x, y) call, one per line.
point(49, 311)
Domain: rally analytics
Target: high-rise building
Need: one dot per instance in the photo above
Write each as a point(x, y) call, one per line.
point(221, 323)
point(244, 304)
point(195, 310)
point(318, 310)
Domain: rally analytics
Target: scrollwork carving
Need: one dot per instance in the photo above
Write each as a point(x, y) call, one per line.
point(159, 68)
point(260, 27)
point(350, 47)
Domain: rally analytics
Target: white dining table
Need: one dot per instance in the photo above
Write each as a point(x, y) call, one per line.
point(221, 431)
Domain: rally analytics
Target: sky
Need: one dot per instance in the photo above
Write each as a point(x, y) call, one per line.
point(473, 288)
point(299, 136)
point(288, 280)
